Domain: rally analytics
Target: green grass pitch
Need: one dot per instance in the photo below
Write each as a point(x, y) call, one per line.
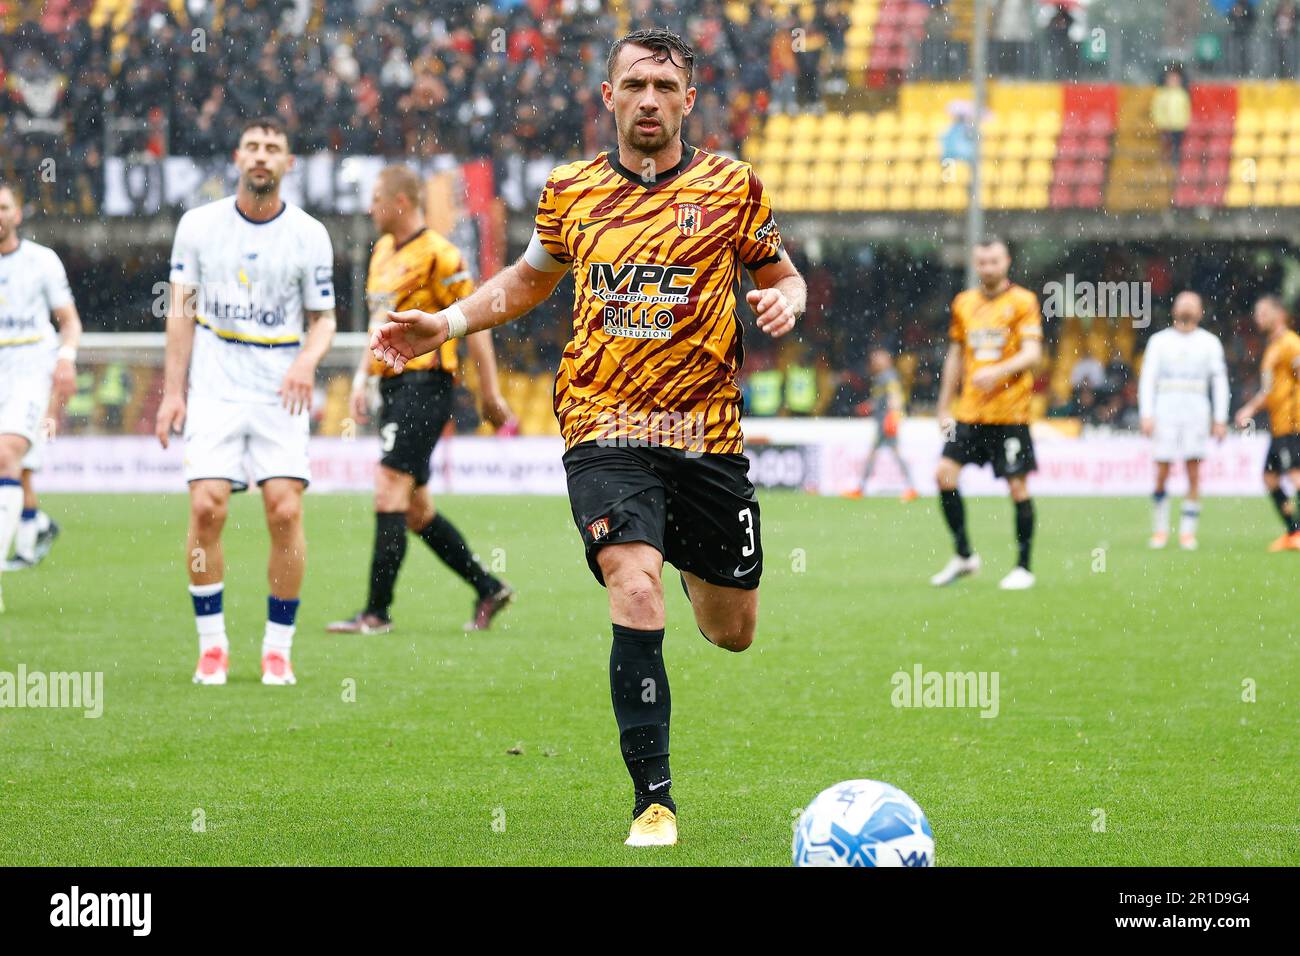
point(1122, 678)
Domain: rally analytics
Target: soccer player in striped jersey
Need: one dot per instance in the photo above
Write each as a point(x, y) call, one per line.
point(34, 360)
point(1279, 394)
point(251, 316)
point(996, 340)
point(413, 267)
point(656, 233)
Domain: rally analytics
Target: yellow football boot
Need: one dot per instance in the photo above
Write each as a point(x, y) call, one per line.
point(656, 826)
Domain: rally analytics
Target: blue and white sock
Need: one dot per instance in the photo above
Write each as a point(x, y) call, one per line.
point(11, 509)
point(208, 616)
point(1191, 515)
point(25, 538)
point(1159, 513)
point(280, 616)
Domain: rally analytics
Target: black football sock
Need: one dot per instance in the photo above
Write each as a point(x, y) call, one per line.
point(638, 686)
point(441, 535)
point(954, 512)
point(1024, 530)
point(1288, 517)
point(390, 549)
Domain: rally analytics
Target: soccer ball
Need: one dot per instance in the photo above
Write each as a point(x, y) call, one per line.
point(863, 823)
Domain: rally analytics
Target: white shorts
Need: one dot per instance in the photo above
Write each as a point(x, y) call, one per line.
point(24, 400)
point(35, 456)
point(1181, 437)
point(244, 443)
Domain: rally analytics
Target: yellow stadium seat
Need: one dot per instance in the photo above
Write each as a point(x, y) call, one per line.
point(1249, 121)
point(1038, 172)
point(887, 125)
point(853, 174)
point(1272, 144)
point(1266, 194)
point(955, 197)
point(778, 126)
point(798, 176)
point(899, 197)
point(931, 173)
point(1042, 147)
point(1290, 194)
point(822, 199)
point(825, 174)
point(928, 197)
point(1237, 194)
point(1269, 170)
point(1015, 147)
point(910, 148)
point(848, 199)
point(873, 198)
point(1291, 169)
point(877, 174)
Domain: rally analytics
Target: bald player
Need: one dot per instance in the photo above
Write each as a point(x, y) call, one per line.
point(1182, 400)
point(1279, 393)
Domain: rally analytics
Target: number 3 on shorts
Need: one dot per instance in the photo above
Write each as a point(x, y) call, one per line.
point(747, 519)
point(1011, 448)
point(388, 436)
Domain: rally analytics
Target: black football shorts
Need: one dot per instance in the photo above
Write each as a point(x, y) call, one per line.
point(1008, 448)
point(414, 410)
point(698, 510)
point(1283, 454)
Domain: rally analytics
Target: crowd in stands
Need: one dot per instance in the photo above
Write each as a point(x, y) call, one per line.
point(382, 77)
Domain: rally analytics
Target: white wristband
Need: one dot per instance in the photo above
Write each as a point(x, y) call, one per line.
point(457, 324)
point(68, 353)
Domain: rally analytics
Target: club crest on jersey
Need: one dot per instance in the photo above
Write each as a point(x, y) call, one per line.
point(690, 217)
point(599, 528)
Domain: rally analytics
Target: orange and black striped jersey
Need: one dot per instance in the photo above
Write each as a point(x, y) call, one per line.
point(425, 272)
point(992, 329)
point(656, 343)
point(1280, 380)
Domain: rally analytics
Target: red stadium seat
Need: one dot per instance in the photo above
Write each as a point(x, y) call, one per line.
point(1061, 197)
point(1089, 197)
point(1093, 173)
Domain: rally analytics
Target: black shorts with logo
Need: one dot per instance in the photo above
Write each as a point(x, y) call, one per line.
point(1283, 454)
point(698, 510)
point(414, 410)
point(1009, 448)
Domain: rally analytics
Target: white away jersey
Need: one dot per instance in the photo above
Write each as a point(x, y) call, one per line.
point(1179, 371)
point(32, 284)
point(254, 282)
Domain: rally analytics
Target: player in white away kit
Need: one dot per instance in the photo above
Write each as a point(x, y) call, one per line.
point(1183, 399)
point(33, 360)
point(252, 315)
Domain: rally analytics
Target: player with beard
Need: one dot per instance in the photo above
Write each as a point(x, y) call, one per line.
point(655, 233)
point(251, 316)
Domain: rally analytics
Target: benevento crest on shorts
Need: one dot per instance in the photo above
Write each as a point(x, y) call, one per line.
point(690, 217)
point(599, 528)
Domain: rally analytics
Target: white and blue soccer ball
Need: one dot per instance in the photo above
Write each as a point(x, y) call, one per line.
point(863, 823)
